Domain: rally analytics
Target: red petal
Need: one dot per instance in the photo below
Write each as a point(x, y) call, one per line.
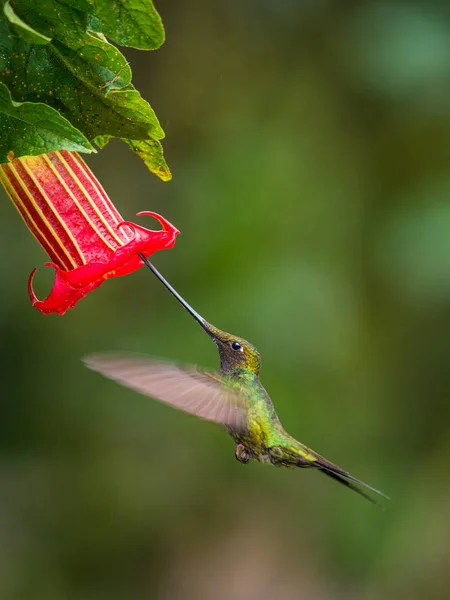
point(71, 286)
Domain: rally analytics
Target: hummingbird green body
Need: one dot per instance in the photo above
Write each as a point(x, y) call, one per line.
point(234, 398)
point(262, 423)
point(262, 436)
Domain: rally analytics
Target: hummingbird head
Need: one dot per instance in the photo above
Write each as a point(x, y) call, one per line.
point(235, 353)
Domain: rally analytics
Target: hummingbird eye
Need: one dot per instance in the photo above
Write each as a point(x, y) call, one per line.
point(236, 346)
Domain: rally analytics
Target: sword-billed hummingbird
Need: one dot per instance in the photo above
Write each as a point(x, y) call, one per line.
point(234, 398)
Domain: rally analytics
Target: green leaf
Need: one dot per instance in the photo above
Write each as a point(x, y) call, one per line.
point(101, 140)
point(132, 23)
point(151, 153)
point(48, 55)
point(22, 29)
point(32, 128)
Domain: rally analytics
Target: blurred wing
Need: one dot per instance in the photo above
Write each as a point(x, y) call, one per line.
point(185, 388)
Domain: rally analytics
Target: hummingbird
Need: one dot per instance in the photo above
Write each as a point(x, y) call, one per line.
point(233, 397)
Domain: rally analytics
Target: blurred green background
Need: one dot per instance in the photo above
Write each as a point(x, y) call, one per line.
point(309, 142)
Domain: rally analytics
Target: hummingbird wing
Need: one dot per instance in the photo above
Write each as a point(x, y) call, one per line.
point(186, 388)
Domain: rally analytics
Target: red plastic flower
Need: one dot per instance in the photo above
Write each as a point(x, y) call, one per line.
point(70, 215)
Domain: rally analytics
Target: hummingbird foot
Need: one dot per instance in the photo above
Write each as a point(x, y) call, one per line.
point(242, 454)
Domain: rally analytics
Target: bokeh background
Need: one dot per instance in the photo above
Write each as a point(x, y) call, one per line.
point(309, 142)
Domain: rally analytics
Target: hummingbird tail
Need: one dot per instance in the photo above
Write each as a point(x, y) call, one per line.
point(348, 480)
point(351, 485)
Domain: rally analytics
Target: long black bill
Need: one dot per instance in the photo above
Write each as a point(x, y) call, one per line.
point(181, 300)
